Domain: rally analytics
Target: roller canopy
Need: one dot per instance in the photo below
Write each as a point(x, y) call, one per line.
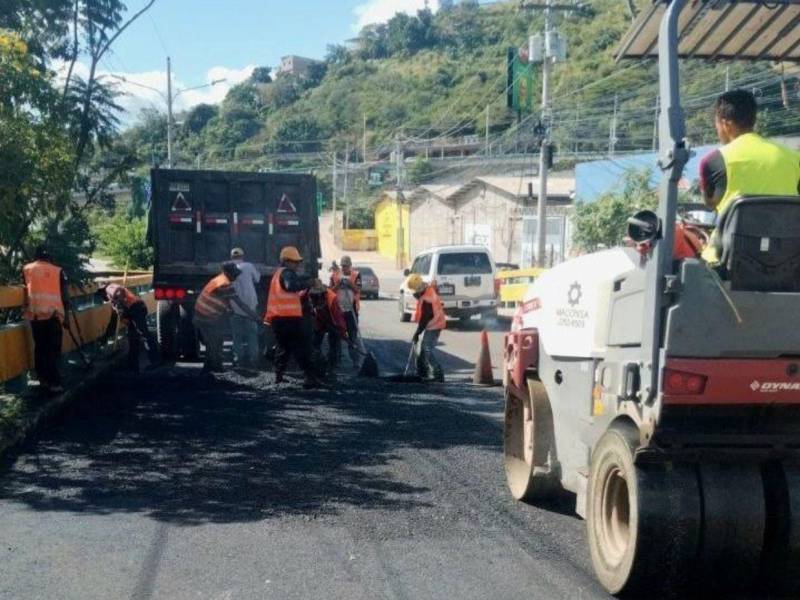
point(721, 29)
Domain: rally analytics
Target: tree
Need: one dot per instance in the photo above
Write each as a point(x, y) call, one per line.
point(337, 54)
point(419, 171)
point(603, 223)
point(261, 75)
point(199, 116)
point(123, 240)
point(299, 134)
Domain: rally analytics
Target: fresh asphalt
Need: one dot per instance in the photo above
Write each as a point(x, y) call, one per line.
point(171, 485)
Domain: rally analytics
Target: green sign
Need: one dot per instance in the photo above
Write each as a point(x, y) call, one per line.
point(520, 82)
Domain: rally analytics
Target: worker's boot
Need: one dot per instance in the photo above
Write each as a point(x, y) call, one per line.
point(438, 376)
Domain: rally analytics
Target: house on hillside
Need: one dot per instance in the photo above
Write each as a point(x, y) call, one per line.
point(498, 212)
point(297, 66)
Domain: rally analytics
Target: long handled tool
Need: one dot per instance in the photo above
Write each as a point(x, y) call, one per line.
point(78, 342)
point(407, 376)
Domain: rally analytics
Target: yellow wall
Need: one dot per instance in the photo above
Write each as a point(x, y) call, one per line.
point(386, 228)
point(359, 239)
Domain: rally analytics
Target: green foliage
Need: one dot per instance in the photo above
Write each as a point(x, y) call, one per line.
point(419, 171)
point(299, 134)
point(261, 75)
point(123, 241)
point(198, 117)
point(603, 223)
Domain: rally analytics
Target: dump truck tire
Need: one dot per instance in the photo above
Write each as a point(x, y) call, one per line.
point(780, 560)
point(167, 329)
point(188, 338)
point(528, 445)
point(734, 520)
point(643, 521)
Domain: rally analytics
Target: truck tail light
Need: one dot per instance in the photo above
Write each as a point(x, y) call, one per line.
point(170, 293)
point(683, 383)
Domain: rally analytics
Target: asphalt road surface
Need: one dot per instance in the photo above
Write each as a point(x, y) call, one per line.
point(171, 485)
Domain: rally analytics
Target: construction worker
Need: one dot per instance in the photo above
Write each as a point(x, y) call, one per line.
point(213, 304)
point(47, 311)
point(243, 328)
point(347, 285)
point(328, 320)
point(747, 164)
point(430, 319)
point(288, 316)
point(132, 310)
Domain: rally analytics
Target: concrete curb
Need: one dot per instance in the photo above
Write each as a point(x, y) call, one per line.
point(54, 405)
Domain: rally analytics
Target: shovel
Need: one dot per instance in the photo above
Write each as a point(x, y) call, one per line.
point(406, 376)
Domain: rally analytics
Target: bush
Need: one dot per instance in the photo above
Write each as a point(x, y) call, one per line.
point(124, 242)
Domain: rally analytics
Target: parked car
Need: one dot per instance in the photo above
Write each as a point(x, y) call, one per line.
point(370, 285)
point(464, 276)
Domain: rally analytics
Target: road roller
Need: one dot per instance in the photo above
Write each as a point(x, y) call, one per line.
point(662, 392)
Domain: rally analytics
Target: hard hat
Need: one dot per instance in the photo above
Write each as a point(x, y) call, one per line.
point(290, 253)
point(237, 253)
point(414, 282)
point(346, 262)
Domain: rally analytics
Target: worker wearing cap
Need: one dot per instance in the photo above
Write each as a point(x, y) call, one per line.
point(328, 320)
point(347, 285)
point(243, 328)
point(747, 164)
point(430, 319)
point(130, 309)
point(288, 315)
point(46, 309)
point(214, 303)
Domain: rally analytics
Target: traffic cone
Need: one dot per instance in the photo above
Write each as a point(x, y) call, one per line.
point(483, 368)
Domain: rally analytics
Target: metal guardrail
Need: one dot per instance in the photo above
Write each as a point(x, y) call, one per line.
point(16, 343)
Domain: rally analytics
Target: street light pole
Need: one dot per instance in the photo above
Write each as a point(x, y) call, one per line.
point(169, 114)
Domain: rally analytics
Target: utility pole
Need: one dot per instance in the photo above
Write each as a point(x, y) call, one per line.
point(612, 131)
point(169, 113)
point(398, 158)
point(335, 218)
point(655, 123)
point(346, 197)
point(364, 141)
point(544, 150)
point(487, 130)
point(727, 78)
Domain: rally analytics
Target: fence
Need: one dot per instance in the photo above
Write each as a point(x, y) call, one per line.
point(16, 343)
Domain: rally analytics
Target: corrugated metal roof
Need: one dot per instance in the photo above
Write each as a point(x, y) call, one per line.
point(722, 29)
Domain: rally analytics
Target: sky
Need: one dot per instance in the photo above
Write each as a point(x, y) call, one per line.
point(226, 39)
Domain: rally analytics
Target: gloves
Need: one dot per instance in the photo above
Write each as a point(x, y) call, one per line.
point(65, 324)
point(415, 339)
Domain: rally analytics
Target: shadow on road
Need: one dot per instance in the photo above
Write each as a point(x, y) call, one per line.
point(189, 450)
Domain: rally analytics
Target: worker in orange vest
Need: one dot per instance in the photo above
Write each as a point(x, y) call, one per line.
point(211, 308)
point(288, 315)
point(132, 311)
point(46, 309)
point(347, 285)
point(430, 319)
point(328, 320)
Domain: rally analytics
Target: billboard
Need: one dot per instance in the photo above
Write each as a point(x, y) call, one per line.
point(519, 89)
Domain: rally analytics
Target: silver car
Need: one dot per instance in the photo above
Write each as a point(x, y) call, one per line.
point(370, 286)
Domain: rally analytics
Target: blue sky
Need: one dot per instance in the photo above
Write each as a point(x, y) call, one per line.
point(215, 39)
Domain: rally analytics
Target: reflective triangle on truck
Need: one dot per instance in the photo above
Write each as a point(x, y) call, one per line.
point(180, 202)
point(286, 205)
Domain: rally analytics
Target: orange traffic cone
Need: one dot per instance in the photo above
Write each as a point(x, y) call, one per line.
point(483, 368)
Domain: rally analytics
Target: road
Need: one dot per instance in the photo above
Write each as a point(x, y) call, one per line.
point(170, 485)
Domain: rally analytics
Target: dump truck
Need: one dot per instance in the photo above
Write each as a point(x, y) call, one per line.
point(196, 217)
point(663, 393)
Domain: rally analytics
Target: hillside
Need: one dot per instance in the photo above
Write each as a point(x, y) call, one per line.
point(432, 79)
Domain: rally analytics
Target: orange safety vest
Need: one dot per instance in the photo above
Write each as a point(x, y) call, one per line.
point(336, 278)
point(43, 288)
point(280, 303)
point(208, 306)
point(430, 295)
point(119, 293)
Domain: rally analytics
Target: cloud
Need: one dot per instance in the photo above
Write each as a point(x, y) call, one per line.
point(380, 11)
point(138, 93)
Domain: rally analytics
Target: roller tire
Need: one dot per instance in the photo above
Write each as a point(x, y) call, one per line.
point(167, 329)
point(643, 521)
point(529, 445)
point(780, 561)
point(734, 520)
